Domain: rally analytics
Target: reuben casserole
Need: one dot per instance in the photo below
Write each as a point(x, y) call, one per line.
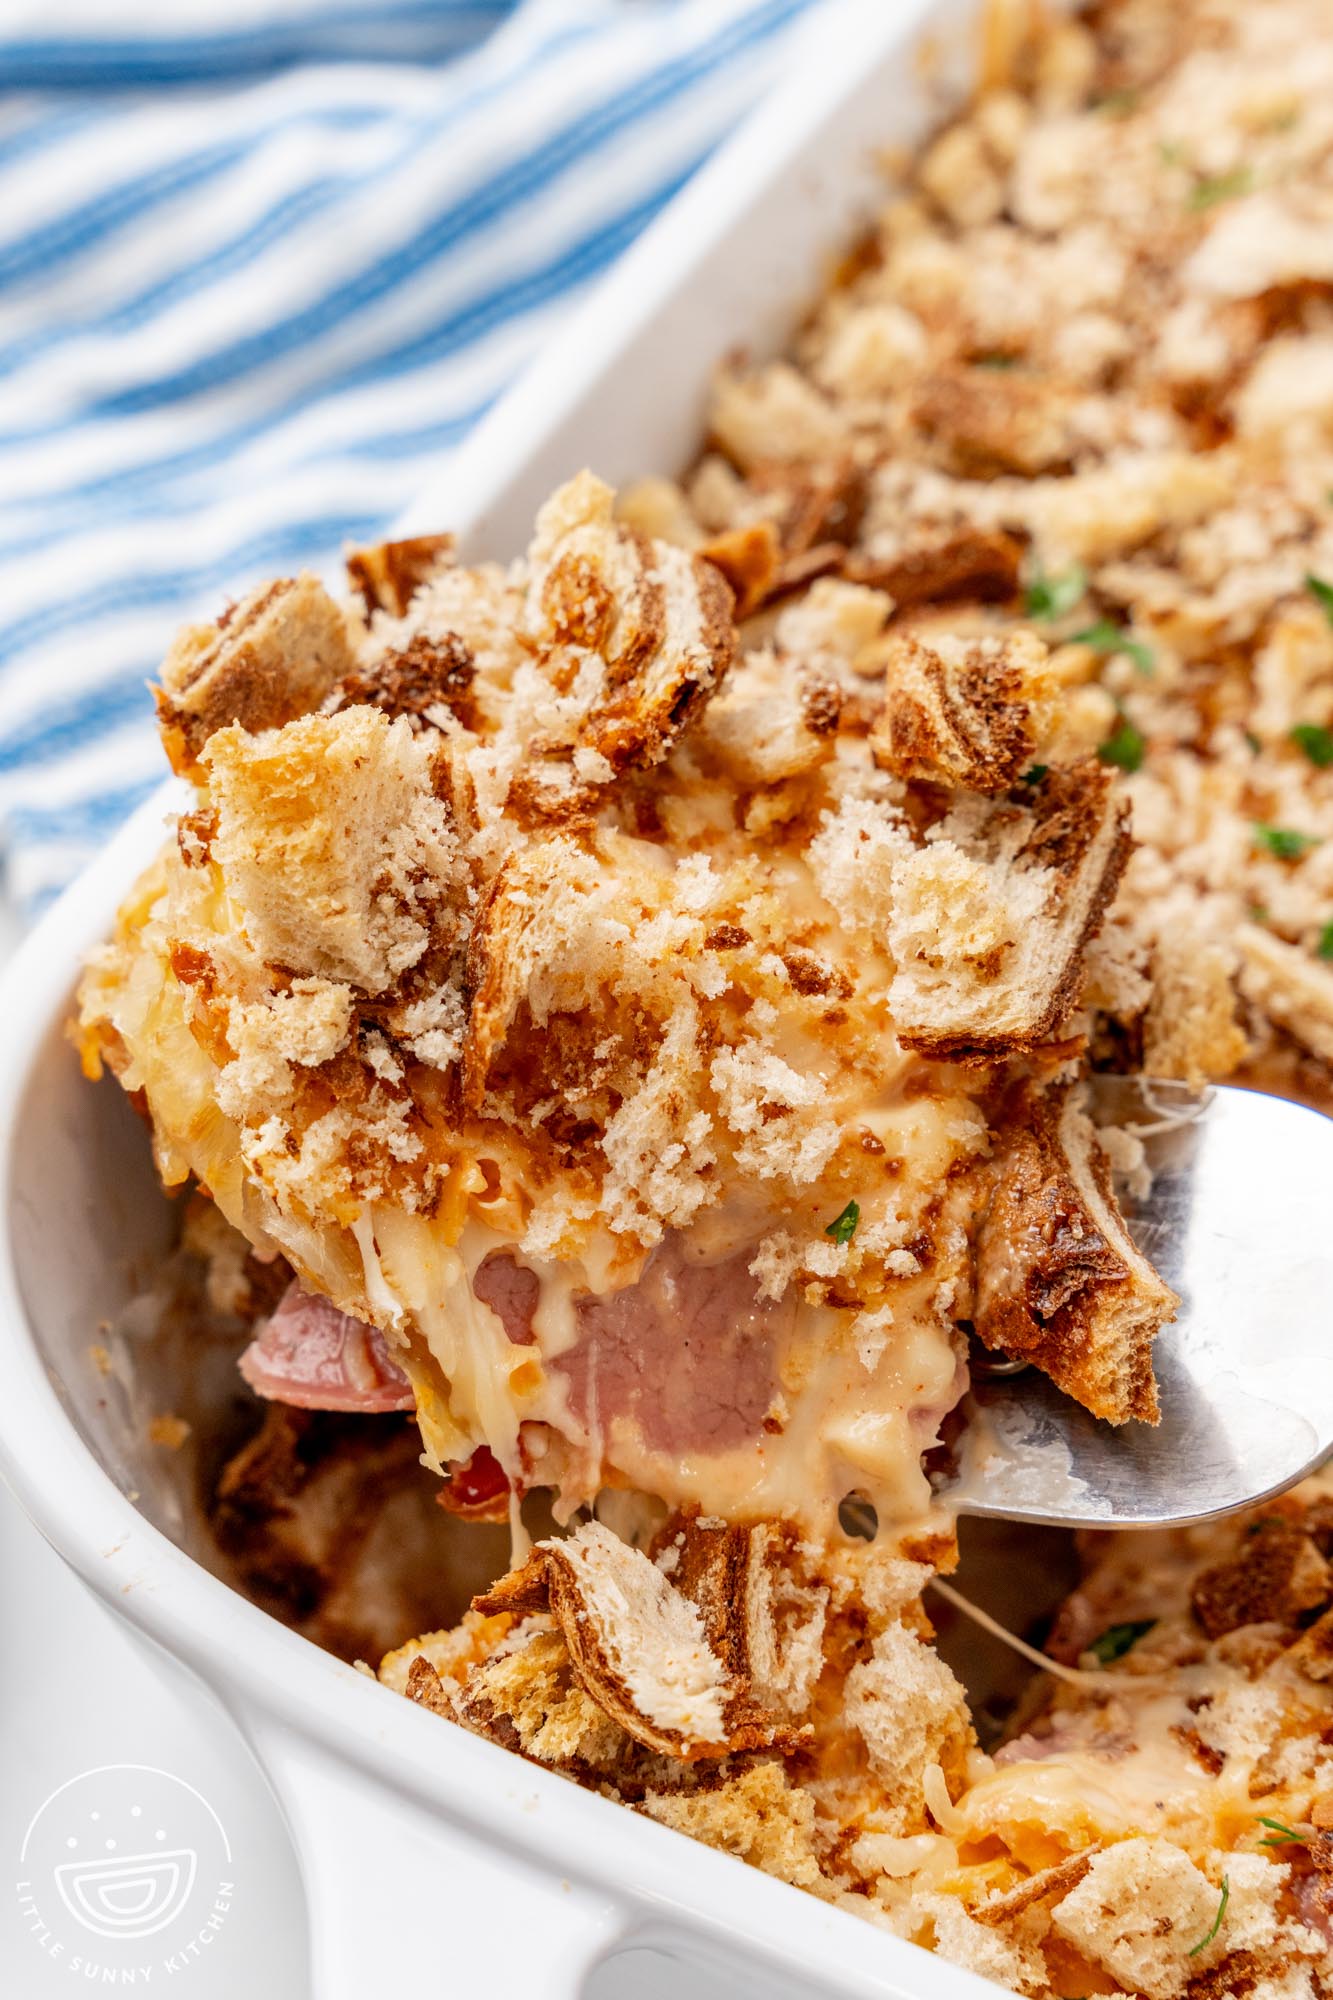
point(629, 1010)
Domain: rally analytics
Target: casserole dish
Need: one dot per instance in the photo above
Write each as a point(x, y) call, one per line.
point(442, 1830)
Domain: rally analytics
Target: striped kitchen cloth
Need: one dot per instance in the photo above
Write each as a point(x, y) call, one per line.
point(262, 262)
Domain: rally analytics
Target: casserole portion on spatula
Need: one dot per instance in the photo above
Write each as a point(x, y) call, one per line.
point(654, 1052)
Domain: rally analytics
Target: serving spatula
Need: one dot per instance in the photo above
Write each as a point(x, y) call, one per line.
point(1239, 1220)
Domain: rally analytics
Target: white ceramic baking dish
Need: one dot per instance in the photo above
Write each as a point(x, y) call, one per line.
point(434, 1860)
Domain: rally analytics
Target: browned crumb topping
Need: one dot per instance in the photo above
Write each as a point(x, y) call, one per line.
point(1088, 1854)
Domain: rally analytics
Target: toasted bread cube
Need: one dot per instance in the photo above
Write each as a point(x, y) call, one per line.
point(990, 924)
point(967, 714)
point(333, 843)
point(272, 657)
point(388, 576)
point(1059, 1281)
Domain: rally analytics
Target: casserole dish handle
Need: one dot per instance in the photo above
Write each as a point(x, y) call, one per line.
point(396, 1894)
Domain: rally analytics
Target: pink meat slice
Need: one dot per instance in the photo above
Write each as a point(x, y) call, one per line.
point(511, 1290)
point(689, 1354)
point(317, 1358)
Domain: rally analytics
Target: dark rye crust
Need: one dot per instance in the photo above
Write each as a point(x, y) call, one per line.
point(270, 658)
point(714, 1573)
point(968, 564)
point(1070, 807)
point(1054, 1286)
point(388, 577)
point(412, 680)
point(965, 725)
point(654, 687)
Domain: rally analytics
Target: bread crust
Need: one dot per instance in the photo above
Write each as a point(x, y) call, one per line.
point(1058, 1281)
point(1074, 829)
point(641, 1649)
point(948, 568)
point(962, 716)
point(269, 658)
point(388, 575)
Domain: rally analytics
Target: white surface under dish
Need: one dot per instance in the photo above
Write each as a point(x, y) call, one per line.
point(422, 1846)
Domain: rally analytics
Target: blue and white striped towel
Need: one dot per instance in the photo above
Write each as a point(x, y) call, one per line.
point(262, 262)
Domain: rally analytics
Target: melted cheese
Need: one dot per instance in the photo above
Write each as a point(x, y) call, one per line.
point(837, 1425)
point(1139, 1777)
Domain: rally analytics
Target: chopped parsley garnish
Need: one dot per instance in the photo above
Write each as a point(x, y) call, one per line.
point(1035, 775)
point(1172, 152)
point(1116, 1640)
point(1321, 592)
point(1107, 637)
point(1118, 103)
point(1124, 746)
point(1053, 596)
point(1216, 1925)
point(1259, 913)
point(1324, 948)
point(843, 1228)
point(1213, 188)
point(1281, 1834)
point(1253, 741)
point(1316, 742)
point(995, 361)
point(1288, 843)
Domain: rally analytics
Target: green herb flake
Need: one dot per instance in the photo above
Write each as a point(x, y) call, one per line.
point(1321, 592)
point(843, 1228)
point(1253, 741)
point(1124, 747)
point(1216, 1925)
point(1288, 843)
point(1116, 1640)
point(1259, 913)
point(995, 361)
point(1215, 188)
point(1053, 596)
point(1316, 742)
point(1281, 1835)
point(1119, 103)
point(1107, 637)
point(1172, 153)
point(1324, 948)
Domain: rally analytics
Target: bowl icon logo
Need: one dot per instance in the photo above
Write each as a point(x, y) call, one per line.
point(130, 1851)
point(129, 1897)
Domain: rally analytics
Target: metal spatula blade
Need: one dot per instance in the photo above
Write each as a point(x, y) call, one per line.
point(1240, 1222)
